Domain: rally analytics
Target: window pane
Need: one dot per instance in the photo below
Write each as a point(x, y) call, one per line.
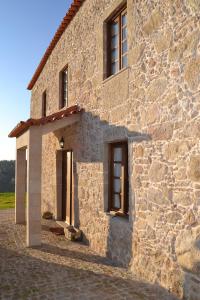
point(114, 54)
point(117, 185)
point(114, 68)
point(117, 154)
point(64, 87)
point(124, 33)
point(115, 28)
point(44, 104)
point(124, 19)
point(124, 47)
point(64, 76)
point(117, 170)
point(117, 201)
point(124, 61)
point(114, 42)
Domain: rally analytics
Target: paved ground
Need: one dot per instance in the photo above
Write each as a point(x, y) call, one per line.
point(60, 269)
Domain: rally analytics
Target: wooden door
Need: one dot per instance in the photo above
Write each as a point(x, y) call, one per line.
point(67, 188)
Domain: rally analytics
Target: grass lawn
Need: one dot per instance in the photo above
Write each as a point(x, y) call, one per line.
point(7, 200)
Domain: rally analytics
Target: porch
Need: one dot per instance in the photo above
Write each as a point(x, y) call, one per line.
point(29, 136)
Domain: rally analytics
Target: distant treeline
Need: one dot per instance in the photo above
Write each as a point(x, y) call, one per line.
point(7, 176)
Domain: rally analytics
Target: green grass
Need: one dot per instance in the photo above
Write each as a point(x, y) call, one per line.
point(7, 200)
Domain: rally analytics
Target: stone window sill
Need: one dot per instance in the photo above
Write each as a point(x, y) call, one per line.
point(119, 215)
point(115, 75)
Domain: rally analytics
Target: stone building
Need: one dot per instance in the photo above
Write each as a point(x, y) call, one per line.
point(113, 139)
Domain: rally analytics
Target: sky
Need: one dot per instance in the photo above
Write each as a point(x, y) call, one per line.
point(26, 29)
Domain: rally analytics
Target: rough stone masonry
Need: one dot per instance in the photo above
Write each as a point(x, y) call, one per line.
point(154, 103)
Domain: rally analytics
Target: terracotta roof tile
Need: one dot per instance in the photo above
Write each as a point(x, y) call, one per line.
point(66, 21)
point(23, 126)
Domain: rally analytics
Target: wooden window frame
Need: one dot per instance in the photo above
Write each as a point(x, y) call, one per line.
point(123, 210)
point(121, 40)
point(63, 100)
point(44, 104)
point(118, 19)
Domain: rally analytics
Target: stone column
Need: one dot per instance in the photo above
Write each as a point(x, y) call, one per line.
point(59, 154)
point(20, 186)
point(34, 187)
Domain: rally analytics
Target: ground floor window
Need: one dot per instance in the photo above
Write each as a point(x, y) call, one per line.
point(118, 177)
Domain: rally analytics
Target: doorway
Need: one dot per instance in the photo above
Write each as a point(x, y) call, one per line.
point(67, 187)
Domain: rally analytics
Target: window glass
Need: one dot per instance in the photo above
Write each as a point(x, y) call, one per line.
point(124, 61)
point(118, 191)
point(117, 202)
point(114, 55)
point(44, 104)
point(124, 47)
point(114, 42)
point(117, 185)
point(64, 87)
point(115, 28)
point(124, 33)
point(118, 46)
point(117, 170)
point(117, 154)
point(124, 19)
point(114, 68)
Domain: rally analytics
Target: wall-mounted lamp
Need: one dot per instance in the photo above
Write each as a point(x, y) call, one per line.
point(62, 142)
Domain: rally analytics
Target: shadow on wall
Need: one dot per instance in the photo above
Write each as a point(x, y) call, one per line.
point(96, 134)
point(191, 267)
point(46, 276)
point(91, 147)
point(187, 249)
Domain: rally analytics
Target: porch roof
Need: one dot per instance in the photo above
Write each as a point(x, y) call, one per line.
point(24, 126)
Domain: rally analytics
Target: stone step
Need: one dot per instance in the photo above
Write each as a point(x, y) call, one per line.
point(71, 233)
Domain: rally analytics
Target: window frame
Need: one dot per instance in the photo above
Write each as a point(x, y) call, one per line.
point(118, 17)
point(44, 104)
point(124, 207)
point(63, 100)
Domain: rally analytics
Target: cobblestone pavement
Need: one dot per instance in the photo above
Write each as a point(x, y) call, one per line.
point(61, 269)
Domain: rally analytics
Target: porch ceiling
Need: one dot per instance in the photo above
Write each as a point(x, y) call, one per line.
point(24, 126)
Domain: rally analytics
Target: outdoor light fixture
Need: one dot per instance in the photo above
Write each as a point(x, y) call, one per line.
point(62, 143)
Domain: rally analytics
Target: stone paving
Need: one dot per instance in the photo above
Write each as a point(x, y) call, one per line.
point(61, 269)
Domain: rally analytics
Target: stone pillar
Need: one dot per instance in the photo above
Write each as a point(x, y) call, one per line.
point(59, 155)
point(34, 187)
point(20, 186)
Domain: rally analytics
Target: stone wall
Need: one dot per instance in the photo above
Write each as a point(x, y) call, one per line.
point(154, 104)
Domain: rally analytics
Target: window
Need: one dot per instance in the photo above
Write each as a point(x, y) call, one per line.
point(117, 45)
point(118, 185)
point(44, 104)
point(64, 88)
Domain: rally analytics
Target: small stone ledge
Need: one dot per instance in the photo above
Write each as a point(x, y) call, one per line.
point(118, 216)
point(71, 233)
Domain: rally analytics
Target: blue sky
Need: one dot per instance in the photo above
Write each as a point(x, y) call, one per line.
point(26, 29)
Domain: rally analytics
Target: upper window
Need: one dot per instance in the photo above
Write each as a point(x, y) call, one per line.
point(64, 88)
point(117, 44)
point(118, 198)
point(44, 104)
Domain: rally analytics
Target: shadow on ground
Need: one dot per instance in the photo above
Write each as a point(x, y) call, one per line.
point(56, 276)
point(92, 258)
